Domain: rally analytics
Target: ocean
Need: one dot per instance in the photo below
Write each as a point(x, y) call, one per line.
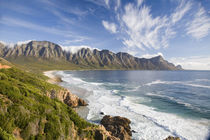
point(158, 103)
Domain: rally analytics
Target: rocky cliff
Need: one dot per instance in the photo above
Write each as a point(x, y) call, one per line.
point(66, 97)
point(38, 51)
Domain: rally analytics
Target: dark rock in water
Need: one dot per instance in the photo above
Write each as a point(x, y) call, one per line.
point(117, 126)
point(133, 131)
point(102, 113)
point(172, 138)
point(81, 102)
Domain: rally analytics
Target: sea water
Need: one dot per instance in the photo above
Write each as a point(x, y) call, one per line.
point(158, 103)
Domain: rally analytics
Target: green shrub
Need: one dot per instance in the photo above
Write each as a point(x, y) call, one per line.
point(30, 107)
point(3, 76)
point(5, 136)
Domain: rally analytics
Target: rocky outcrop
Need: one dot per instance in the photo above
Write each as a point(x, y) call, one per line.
point(172, 138)
point(102, 134)
point(66, 97)
point(96, 59)
point(117, 126)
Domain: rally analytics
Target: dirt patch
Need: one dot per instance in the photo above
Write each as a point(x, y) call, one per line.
point(4, 66)
point(16, 133)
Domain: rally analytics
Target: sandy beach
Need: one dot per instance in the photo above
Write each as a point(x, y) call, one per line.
point(53, 79)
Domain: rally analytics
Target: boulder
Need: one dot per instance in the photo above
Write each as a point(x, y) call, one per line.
point(81, 102)
point(172, 138)
point(117, 126)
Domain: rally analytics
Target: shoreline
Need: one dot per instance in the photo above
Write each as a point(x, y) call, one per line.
point(82, 111)
point(53, 79)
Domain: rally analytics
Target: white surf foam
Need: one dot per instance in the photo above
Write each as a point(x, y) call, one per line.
point(186, 83)
point(190, 106)
point(147, 122)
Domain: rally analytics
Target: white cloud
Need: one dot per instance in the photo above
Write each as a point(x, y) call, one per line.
point(67, 42)
point(23, 42)
point(12, 44)
point(144, 31)
point(139, 2)
point(6, 44)
point(75, 49)
point(50, 5)
point(98, 2)
point(2, 42)
point(151, 55)
point(107, 2)
point(118, 3)
point(193, 63)
point(110, 26)
point(199, 27)
point(181, 11)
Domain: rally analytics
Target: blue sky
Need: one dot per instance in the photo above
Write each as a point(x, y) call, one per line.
point(177, 29)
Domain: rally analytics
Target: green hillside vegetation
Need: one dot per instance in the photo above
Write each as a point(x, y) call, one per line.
point(36, 65)
point(26, 112)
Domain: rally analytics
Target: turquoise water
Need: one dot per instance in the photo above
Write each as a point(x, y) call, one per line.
point(159, 103)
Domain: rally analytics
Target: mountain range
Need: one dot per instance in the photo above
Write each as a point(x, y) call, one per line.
point(45, 53)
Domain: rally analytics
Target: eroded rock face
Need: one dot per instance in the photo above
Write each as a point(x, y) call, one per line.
point(172, 138)
point(102, 134)
point(67, 97)
point(84, 57)
point(117, 126)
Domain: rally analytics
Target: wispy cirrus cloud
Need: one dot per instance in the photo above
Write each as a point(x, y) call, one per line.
point(10, 21)
point(111, 27)
point(199, 27)
point(68, 42)
point(98, 2)
point(117, 5)
point(56, 5)
point(143, 30)
point(140, 29)
point(180, 11)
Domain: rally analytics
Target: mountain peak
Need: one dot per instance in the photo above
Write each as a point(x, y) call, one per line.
point(84, 57)
point(159, 58)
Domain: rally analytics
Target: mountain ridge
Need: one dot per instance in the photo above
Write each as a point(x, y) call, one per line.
point(85, 57)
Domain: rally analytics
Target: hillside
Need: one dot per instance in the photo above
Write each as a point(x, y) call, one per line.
point(47, 55)
point(26, 112)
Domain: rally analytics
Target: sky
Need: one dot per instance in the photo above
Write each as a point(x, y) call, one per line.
point(179, 30)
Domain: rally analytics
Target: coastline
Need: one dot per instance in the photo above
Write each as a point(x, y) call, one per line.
point(55, 79)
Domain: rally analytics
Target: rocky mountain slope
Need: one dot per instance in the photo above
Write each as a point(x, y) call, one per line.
point(41, 52)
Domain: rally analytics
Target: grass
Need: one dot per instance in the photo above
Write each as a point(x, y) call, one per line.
point(24, 107)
